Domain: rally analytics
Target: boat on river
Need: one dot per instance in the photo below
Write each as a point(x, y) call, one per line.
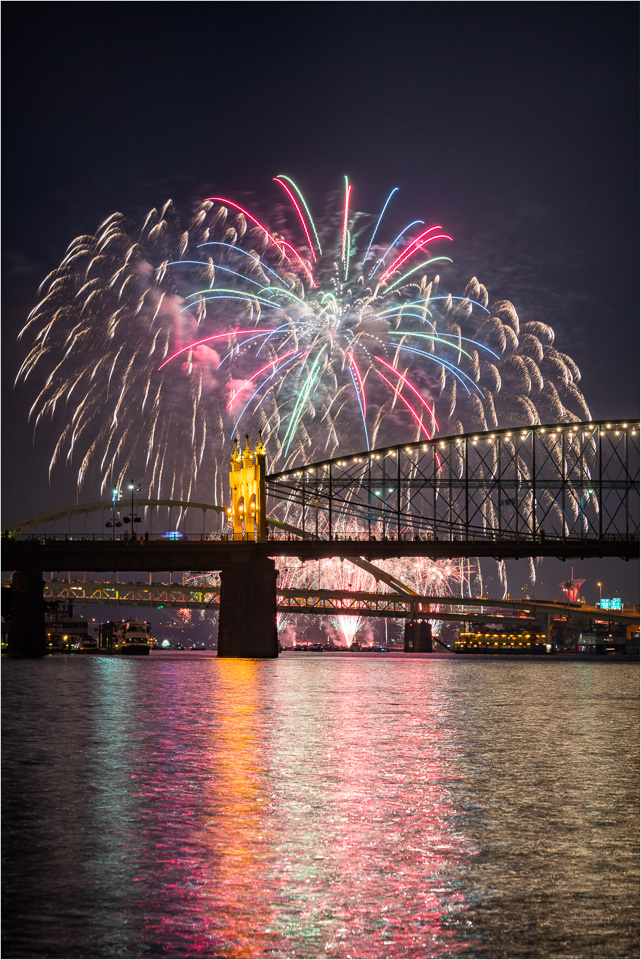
point(88, 645)
point(64, 631)
point(133, 637)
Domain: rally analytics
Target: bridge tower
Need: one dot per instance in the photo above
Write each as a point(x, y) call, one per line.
point(247, 481)
point(247, 625)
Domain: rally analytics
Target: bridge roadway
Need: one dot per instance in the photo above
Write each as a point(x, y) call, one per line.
point(248, 605)
point(37, 554)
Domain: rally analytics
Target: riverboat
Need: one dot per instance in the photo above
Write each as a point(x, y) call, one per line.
point(64, 632)
point(133, 637)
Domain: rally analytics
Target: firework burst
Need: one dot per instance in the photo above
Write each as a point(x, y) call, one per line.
point(422, 575)
point(153, 344)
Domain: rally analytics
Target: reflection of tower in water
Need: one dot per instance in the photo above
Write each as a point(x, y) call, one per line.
point(237, 809)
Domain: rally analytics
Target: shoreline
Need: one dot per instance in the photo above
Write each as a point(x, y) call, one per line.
point(462, 657)
point(191, 655)
point(402, 655)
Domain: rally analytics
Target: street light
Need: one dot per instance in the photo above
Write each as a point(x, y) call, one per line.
point(113, 523)
point(135, 488)
point(599, 586)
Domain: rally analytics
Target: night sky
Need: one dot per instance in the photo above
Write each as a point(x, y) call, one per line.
point(514, 125)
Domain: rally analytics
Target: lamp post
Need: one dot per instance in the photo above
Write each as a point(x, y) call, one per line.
point(599, 586)
point(114, 497)
point(113, 523)
point(135, 488)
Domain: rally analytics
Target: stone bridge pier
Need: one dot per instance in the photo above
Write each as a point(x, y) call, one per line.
point(26, 634)
point(247, 623)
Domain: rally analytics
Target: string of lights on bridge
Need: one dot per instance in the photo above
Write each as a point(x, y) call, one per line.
point(568, 431)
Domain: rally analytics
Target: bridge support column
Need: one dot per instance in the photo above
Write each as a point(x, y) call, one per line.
point(247, 625)
point(27, 620)
point(418, 636)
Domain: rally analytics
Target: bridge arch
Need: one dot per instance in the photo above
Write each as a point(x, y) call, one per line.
point(563, 481)
point(52, 517)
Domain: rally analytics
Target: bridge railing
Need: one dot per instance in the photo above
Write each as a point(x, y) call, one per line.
point(32, 537)
point(357, 537)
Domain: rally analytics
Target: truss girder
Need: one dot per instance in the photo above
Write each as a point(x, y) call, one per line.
point(328, 601)
point(125, 594)
point(565, 481)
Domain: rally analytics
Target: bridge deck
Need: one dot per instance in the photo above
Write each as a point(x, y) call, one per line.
point(203, 555)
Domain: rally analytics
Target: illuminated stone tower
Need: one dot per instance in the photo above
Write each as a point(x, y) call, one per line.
point(247, 481)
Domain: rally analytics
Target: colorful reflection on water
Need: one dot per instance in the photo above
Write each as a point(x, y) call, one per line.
point(319, 807)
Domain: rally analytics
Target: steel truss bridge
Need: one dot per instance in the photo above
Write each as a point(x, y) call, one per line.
point(564, 490)
point(568, 483)
point(335, 602)
point(561, 490)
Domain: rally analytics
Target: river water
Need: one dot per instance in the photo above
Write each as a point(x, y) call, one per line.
point(320, 806)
